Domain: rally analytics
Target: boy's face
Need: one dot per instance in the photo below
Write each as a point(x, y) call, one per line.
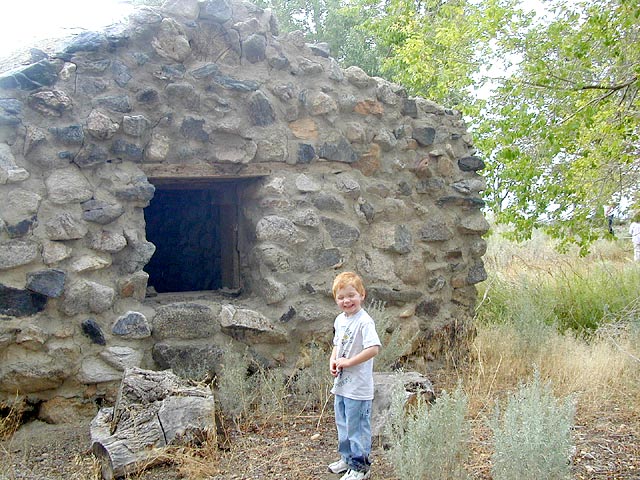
point(349, 300)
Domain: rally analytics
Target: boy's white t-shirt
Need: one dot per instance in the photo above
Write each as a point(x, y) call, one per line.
point(352, 335)
point(634, 231)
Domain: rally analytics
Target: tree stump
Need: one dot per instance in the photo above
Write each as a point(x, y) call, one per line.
point(153, 410)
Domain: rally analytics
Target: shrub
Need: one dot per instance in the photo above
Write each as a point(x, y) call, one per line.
point(429, 441)
point(532, 437)
point(584, 298)
point(531, 280)
point(313, 382)
point(272, 392)
point(390, 337)
point(235, 390)
point(11, 417)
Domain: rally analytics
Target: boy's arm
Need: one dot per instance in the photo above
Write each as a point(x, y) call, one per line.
point(362, 357)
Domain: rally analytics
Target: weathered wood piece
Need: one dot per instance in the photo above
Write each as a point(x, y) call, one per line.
point(153, 410)
point(201, 173)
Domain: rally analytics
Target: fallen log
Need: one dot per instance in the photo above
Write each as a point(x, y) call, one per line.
point(153, 410)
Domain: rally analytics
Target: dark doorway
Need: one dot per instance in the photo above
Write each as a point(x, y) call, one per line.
point(195, 230)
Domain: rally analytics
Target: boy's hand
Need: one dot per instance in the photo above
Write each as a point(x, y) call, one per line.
point(363, 356)
point(343, 363)
point(333, 368)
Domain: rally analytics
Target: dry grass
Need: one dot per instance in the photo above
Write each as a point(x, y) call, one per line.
point(11, 417)
point(593, 370)
point(603, 375)
point(88, 468)
point(596, 367)
point(200, 462)
point(540, 253)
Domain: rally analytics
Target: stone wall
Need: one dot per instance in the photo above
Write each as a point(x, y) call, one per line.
point(335, 171)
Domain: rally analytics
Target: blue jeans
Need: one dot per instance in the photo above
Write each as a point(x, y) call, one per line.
point(353, 420)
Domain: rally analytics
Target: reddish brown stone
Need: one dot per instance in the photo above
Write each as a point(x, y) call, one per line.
point(411, 145)
point(369, 107)
point(305, 128)
point(127, 290)
point(422, 169)
point(369, 163)
point(459, 282)
point(445, 167)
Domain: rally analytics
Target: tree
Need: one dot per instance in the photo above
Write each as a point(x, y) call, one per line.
point(437, 48)
point(434, 48)
point(562, 132)
point(336, 22)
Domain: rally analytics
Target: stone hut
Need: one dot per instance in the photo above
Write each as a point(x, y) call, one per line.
point(192, 180)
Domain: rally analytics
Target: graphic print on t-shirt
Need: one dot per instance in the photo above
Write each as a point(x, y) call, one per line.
point(346, 342)
point(344, 349)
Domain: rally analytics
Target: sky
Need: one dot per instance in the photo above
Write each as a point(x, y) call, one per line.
point(24, 22)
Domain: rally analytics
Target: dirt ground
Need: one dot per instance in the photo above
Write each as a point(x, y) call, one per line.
point(299, 447)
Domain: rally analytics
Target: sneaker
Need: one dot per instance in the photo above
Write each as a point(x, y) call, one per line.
point(338, 467)
point(355, 475)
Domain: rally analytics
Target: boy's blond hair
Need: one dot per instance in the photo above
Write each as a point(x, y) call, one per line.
point(348, 278)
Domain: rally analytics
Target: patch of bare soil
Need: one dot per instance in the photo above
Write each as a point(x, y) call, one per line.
point(42, 451)
point(608, 445)
point(300, 447)
point(295, 448)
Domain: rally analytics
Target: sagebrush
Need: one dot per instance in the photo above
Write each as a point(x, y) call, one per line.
point(430, 441)
point(313, 380)
point(235, 392)
point(532, 436)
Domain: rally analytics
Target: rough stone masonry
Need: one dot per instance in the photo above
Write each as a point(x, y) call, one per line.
point(305, 170)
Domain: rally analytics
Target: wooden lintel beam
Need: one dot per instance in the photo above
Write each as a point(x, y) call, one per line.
point(203, 172)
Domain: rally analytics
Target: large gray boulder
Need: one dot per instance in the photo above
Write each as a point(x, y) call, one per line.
point(387, 385)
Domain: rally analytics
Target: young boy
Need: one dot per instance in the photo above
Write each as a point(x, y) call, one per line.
point(355, 343)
